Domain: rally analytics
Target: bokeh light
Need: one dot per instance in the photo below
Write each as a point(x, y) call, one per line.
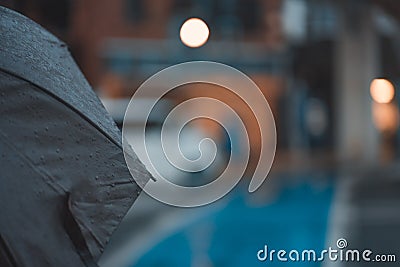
point(194, 32)
point(385, 117)
point(382, 91)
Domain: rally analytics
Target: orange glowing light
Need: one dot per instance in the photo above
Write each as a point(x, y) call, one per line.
point(194, 32)
point(385, 117)
point(382, 91)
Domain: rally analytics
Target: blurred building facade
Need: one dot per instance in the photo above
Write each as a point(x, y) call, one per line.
point(313, 59)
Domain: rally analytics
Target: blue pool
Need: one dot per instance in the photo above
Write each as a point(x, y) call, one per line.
point(296, 217)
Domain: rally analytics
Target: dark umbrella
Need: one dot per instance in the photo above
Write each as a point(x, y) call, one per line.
point(64, 184)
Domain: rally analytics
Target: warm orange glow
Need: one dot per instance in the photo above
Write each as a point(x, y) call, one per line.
point(194, 32)
point(385, 117)
point(382, 91)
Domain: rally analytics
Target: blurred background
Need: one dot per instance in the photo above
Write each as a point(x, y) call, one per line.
point(329, 70)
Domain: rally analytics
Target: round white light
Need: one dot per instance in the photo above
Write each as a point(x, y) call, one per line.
point(194, 32)
point(382, 91)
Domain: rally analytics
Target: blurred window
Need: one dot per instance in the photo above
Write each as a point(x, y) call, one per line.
point(135, 10)
point(322, 20)
point(228, 17)
point(249, 13)
point(183, 5)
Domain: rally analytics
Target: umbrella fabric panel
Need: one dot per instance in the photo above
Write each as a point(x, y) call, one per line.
point(55, 162)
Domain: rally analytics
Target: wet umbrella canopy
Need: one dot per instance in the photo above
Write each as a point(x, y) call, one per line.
point(64, 184)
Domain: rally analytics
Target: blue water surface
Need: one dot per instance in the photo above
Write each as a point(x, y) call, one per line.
point(296, 218)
